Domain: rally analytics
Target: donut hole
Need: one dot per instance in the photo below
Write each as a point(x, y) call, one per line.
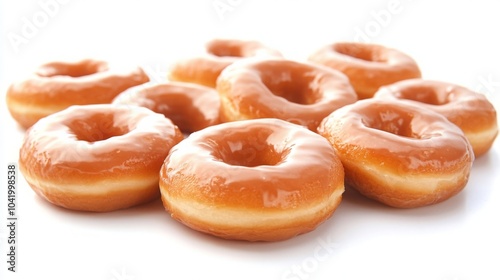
point(75, 70)
point(95, 128)
point(424, 95)
point(392, 121)
point(359, 51)
point(189, 108)
point(225, 50)
point(294, 87)
point(176, 108)
point(248, 150)
point(250, 156)
point(229, 52)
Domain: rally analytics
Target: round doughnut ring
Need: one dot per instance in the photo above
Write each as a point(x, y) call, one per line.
point(256, 180)
point(58, 85)
point(220, 53)
point(297, 92)
point(97, 157)
point(191, 107)
point(398, 153)
point(368, 66)
point(469, 110)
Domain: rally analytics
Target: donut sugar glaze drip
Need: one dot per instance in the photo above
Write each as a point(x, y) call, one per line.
point(58, 85)
point(368, 66)
point(297, 92)
point(220, 53)
point(253, 180)
point(469, 110)
point(398, 153)
point(191, 107)
point(97, 157)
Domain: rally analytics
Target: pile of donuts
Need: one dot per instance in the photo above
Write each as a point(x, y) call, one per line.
point(242, 143)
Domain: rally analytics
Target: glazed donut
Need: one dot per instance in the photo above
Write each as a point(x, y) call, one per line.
point(469, 110)
point(368, 66)
point(398, 153)
point(58, 85)
point(97, 157)
point(191, 107)
point(255, 180)
point(220, 53)
point(297, 92)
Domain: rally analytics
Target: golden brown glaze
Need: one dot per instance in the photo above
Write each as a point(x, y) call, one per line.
point(97, 157)
point(469, 110)
point(58, 85)
point(297, 92)
point(368, 66)
point(398, 153)
point(191, 107)
point(220, 53)
point(252, 180)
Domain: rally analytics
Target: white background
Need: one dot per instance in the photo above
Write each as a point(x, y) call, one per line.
point(452, 41)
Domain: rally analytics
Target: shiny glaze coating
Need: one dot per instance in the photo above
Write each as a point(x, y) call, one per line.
point(97, 157)
point(58, 85)
point(368, 66)
point(220, 53)
point(263, 179)
point(191, 107)
point(469, 110)
point(398, 153)
point(297, 92)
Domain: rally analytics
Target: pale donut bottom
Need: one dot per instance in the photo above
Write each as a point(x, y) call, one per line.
point(28, 114)
point(97, 196)
point(481, 141)
point(242, 223)
point(404, 190)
